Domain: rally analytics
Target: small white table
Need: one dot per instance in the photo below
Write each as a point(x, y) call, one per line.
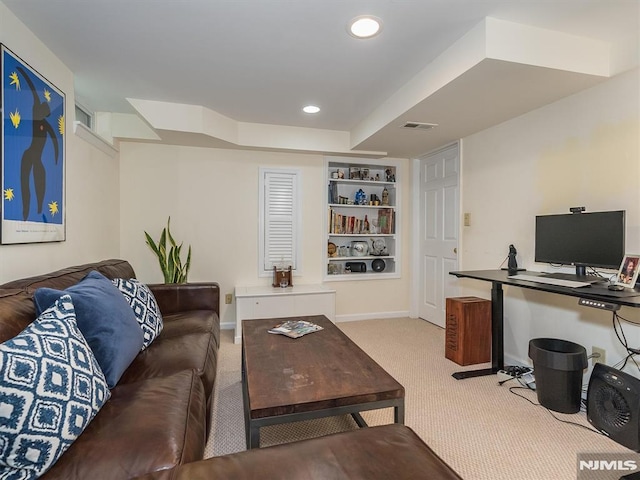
point(276, 302)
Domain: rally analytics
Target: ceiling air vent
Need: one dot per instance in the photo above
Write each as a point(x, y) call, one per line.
point(419, 125)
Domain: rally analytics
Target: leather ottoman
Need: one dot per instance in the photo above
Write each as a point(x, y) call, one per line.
point(374, 453)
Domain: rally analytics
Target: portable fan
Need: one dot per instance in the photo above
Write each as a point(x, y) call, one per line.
point(613, 405)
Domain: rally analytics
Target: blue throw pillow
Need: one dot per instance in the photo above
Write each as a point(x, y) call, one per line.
point(51, 387)
point(144, 306)
point(104, 318)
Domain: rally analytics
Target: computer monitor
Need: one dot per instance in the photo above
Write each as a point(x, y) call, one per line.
point(594, 239)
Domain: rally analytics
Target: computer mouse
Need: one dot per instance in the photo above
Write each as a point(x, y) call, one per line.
point(615, 288)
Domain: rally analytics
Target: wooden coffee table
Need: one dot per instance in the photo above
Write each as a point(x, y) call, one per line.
point(319, 375)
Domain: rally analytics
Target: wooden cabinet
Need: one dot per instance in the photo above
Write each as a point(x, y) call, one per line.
point(363, 218)
point(270, 302)
point(468, 330)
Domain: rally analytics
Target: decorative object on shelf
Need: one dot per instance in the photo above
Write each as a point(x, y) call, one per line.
point(390, 174)
point(361, 197)
point(359, 248)
point(385, 196)
point(365, 226)
point(378, 265)
point(282, 278)
point(332, 249)
point(354, 173)
point(512, 264)
point(378, 247)
point(359, 267)
point(170, 262)
point(333, 192)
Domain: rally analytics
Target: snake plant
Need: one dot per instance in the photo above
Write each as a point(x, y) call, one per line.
point(170, 262)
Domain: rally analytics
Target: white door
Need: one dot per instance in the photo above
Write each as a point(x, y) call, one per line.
point(438, 218)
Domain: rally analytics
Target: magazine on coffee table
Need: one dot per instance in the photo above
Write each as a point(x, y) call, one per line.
point(295, 328)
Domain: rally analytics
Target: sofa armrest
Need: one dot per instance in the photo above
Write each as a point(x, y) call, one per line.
point(182, 297)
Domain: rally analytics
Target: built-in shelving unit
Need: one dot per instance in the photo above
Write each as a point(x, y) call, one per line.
point(362, 219)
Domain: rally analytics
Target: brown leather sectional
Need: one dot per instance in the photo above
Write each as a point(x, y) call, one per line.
point(157, 416)
point(156, 423)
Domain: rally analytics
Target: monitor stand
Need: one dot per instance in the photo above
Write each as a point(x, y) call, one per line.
point(579, 276)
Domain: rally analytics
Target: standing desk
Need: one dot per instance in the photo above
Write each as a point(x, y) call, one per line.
point(628, 298)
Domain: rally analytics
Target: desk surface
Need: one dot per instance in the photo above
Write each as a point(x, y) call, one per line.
point(629, 298)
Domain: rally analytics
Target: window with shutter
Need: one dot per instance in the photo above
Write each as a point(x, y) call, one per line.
point(279, 216)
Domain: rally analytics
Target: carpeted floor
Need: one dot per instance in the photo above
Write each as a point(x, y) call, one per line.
point(481, 429)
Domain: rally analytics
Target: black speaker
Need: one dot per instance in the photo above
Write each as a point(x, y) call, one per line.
point(359, 267)
point(613, 405)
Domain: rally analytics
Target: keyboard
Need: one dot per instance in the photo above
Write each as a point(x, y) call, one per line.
point(550, 281)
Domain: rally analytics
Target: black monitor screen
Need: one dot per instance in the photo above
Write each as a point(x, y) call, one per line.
point(588, 239)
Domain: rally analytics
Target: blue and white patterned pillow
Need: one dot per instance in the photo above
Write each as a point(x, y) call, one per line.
point(51, 387)
point(144, 307)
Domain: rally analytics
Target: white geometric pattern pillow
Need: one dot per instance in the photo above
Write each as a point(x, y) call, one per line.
point(51, 387)
point(144, 307)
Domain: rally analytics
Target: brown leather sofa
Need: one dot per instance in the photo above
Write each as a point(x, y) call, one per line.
point(155, 425)
point(157, 416)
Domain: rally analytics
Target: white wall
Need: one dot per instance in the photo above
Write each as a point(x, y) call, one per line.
point(212, 198)
point(92, 178)
point(583, 150)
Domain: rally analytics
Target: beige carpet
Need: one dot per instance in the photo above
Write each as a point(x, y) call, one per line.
point(481, 429)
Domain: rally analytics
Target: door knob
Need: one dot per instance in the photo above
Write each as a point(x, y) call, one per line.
point(455, 250)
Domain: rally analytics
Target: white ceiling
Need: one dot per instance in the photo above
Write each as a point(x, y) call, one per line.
point(260, 61)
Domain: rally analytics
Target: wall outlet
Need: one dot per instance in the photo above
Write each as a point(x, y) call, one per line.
point(602, 358)
point(467, 219)
point(228, 298)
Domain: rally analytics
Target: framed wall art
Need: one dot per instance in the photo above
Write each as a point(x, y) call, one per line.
point(33, 155)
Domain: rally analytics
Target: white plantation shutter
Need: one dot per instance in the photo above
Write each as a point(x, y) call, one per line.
point(279, 215)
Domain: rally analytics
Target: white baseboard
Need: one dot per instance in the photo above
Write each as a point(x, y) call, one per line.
point(227, 326)
point(354, 317)
point(509, 360)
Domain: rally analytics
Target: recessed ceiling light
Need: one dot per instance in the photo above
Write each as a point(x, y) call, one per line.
point(365, 26)
point(310, 109)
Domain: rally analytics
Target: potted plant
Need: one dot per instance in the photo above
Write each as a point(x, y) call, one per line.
point(170, 262)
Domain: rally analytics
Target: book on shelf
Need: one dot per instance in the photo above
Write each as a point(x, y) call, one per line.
point(386, 220)
point(295, 328)
point(345, 224)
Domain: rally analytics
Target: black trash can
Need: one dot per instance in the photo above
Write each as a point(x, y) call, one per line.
point(557, 367)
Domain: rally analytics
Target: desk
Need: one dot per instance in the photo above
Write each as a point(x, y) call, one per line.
point(500, 277)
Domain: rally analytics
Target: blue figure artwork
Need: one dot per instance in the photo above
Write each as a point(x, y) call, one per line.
point(32, 147)
point(31, 163)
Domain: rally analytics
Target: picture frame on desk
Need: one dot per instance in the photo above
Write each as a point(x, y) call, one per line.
point(628, 272)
